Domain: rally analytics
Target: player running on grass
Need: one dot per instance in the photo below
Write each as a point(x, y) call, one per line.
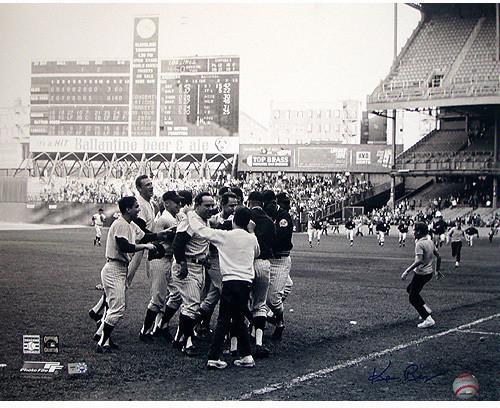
point(423, 268)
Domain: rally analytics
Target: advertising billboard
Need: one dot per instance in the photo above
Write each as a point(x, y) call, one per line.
point(316, 158)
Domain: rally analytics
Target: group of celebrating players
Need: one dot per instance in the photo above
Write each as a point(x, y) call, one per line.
point(197, 255)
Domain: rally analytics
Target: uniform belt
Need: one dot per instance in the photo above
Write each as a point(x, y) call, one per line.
point(197, 261)
point(118, 261)
point(281, 255)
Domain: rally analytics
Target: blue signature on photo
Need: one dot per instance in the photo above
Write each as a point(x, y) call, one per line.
point(409, 374)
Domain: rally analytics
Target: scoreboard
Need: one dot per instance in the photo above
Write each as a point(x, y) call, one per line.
point(145, 104)
point(199, 96)
point(79, 98)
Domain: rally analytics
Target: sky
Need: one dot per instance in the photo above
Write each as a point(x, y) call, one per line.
point(305, 51)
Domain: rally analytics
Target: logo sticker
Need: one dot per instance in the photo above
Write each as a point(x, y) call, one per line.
point(31, 344)
point(40, 369)
point(51, 344)
point(77, 368)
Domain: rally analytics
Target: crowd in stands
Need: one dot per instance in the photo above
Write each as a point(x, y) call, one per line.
point(309, 193)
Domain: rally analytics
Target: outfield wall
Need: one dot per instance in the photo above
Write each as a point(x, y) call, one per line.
point(58, 214)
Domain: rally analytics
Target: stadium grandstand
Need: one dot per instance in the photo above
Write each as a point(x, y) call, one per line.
point(450, 65)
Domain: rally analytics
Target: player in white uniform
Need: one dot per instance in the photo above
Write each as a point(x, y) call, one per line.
point(120, 244)
point(310, 229)
point(144, 187)
point(98, 219)
point(160, 269)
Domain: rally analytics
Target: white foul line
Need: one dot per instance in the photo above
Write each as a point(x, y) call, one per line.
point(285, 385)
point(480, 332)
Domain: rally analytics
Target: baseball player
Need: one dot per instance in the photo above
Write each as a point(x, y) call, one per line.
point(403, 230)
point(269, 203)
point(188, 271)
point(144, 187)
point(438, 229)
point(266, 235)
point(470, 233)
point(310, 229)
point(239, 194)
point(456, 235)
point(120, 244)
point(336, 226)
point(493, 231)
point(382, 229)
point(349, 228)
point(174, 299)
point(221, 220)
point(423, 270)
point(237, 251)
point(359, 225)
point(317, 230)
point(280, 263)
point(160, 269)
point(98, 219)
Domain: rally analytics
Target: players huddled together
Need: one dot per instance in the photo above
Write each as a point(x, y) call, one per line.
point(199, 252)
point(233, 250)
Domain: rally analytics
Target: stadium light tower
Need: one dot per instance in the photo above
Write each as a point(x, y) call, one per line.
point(392, 199)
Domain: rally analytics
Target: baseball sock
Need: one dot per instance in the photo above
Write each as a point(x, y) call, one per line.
point(106, 333)
point(167, 315)
point(100, 304)
point(279, 318)
point(158, 320)
point(234, 344)
point(259, 324)
point(148, 321)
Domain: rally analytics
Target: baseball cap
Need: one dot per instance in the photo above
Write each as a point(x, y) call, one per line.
point(281, 197)
point(187, 197)
point(255, 196)
point(268, 195)
point(172, 195)
point(223, 190)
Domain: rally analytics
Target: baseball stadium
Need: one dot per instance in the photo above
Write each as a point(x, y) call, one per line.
point(330, 306)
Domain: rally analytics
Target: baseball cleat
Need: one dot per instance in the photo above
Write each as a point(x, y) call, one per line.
point(278, 333)
point(96, 337)
point(203, 332)
point(164, 334)
point(190, 351)
point(429, 322)
point(261, 352)
point(216, 365)
point(146, 338)
point(103, 349)
point(457, 264)
point(113, 345)
point(271, 319)
point(177, 345)
point(246, 362)
point(94, 316)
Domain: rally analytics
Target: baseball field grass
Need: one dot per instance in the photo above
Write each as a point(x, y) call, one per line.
point(347, 320)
